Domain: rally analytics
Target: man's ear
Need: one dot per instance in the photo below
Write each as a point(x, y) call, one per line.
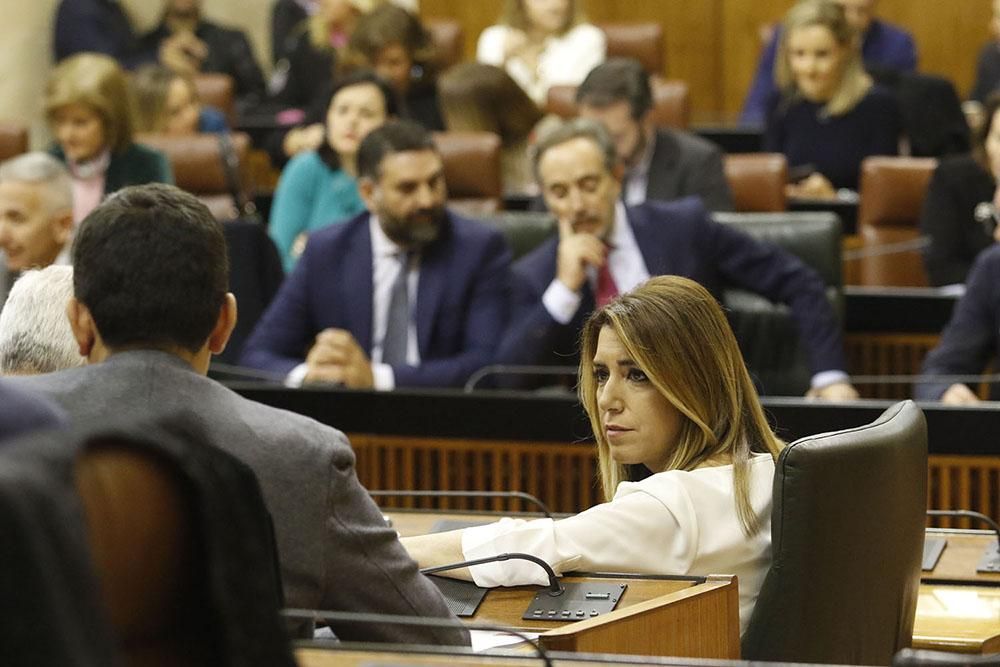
point(224, 325)
point(82, 324)
point(62, 226)
point(367, 189)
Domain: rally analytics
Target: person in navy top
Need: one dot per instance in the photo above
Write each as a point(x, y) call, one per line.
point(884, 47)
point(828, 115)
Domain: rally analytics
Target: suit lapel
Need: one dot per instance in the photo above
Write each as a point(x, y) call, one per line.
point(435, 262)
point(652, 246)
point(662, 167)
point(356, 279)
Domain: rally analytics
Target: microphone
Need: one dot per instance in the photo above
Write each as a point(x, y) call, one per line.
point(467, 494)
point(391, 619)
point(555, 588)
point(515, 370)
point(990, 561)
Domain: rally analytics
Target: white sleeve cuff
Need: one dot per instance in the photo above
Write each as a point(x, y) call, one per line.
point(383, 377)
point(561, 302)
point(297, 375)
point(826, 378)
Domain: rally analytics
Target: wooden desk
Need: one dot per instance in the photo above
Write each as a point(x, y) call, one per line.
point(964, 619)
point(694, 617)
point(958, 609)
point(352, 657)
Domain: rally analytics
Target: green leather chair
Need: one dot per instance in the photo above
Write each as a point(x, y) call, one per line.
point(765, 331)
point(847, 535)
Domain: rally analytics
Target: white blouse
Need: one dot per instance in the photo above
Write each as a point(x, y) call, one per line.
point(565, 60)
point(673, 522)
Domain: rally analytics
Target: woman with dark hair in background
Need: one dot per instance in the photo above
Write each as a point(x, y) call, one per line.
point(393, 42)
point(960, 210)
point(317, 188)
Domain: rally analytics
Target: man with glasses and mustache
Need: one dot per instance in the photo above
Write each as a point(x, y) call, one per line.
point(407, 294)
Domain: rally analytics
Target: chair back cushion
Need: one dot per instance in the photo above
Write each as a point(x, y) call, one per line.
point(471, 170)
point(217, 90)
point(671, 102)
point(448, 39)
point(847, 539)
point(198, 164)
point(13, 140)
point(524, 230)
point(642, 41)
point(757, 181)
point(766, 332)
point(892, 196)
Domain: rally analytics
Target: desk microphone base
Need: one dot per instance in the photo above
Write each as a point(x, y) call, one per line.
point(578, 601)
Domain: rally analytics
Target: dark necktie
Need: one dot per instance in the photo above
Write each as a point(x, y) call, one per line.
point(606, 288)
point(397, 325)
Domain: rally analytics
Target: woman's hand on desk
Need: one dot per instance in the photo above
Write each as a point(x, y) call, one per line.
point(813, 186)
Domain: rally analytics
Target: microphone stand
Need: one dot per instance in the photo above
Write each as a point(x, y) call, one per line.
point(555, 588)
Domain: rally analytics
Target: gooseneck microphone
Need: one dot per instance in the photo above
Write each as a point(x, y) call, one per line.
point(418, 493)
point(555, 588)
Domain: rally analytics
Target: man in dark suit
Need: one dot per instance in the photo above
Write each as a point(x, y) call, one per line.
point(971, 339)
point(661, 164)
point(344, 315)
point(604, 248)
point(150, 308)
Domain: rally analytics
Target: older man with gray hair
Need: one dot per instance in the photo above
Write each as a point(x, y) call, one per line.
point(36, 216)
point(35, 335)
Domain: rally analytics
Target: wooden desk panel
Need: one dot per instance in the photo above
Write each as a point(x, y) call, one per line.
point(963, 619)
point(960, 558)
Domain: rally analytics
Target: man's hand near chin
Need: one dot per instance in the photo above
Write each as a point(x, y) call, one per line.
point(337, 358)
point(838, 391)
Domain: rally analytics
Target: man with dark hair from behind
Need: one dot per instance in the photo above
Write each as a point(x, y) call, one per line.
point(405, 294)
point(150, 308)
point(659, 163)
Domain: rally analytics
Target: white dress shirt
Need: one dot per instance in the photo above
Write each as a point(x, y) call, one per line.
point(386, 266)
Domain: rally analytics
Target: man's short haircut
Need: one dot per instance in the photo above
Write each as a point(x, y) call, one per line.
point(395, 136)
point(575, 128)
point(35, 336)
point(151, 266)
point(42, 169)
point(617, 80)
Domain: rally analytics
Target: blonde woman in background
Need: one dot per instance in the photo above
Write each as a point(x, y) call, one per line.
point(90, 111)
point(167, 103)
point(666, 390)
point(827, 114)
point(542, 43)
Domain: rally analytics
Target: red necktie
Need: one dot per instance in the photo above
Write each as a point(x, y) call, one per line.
point(606, 288)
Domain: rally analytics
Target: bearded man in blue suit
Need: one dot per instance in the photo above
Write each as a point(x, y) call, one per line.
point(405, 295)
point(605, 247)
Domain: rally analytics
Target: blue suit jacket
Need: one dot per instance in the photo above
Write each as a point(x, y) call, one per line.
point(462, 301)
point(22, 412)
point(676, 238)
point(971, 337)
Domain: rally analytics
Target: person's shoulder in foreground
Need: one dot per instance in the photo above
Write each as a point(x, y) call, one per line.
point(23, 412)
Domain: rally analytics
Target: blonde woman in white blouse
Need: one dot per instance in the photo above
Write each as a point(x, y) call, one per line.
point(542, 43)
point(667, 392)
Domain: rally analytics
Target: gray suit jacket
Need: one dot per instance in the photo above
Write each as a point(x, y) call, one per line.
point(336, 551)
point(683, 165)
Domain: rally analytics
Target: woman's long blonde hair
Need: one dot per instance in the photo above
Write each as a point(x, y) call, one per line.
point(675, 331)
point(854, 81)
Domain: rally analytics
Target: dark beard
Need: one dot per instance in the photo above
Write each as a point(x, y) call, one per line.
point(414, 231)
